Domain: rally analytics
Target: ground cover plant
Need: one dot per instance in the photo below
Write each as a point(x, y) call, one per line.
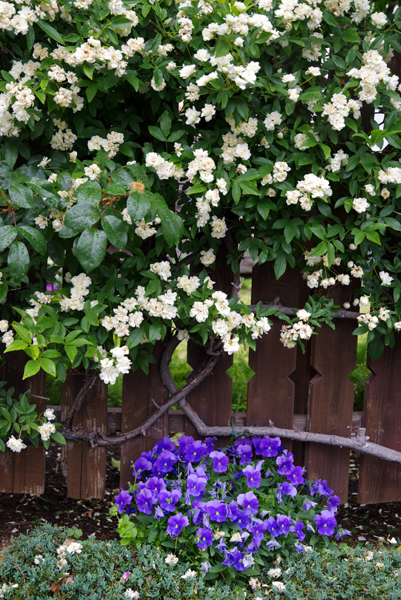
point(230, 511)
point(141, 140)
point(48, 563)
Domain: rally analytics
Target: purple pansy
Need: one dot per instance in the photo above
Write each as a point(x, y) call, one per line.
point(209, 444)
point(299, 548)
point(285, 463)
point(176, 523)
point(196, 485)
point(269, 447)
point(221, 546)
point(220, 461)
point(205, 538)
point(140, 466)
point(308, 504)
point(168, 500)
point(241, 519)
point(164, 444)
point(285, 489)
point(145, 501)
point(122, 500)
point(249, 502)
point(194, 451)
point(199, 510)
point(183, 441)
point(256, 444)
point(341, 532)
point(284, 524)
point(297, 528)
point(217, 511)
point(325, 523)
point(332, 504)
point(273, 527)
point(159, 514)
point(245, 453)
point(229, 558)
point(243, 441)
point(272, 544)
point(165, 462)
point(239, 560)
point(257, 527)
point(321, 488)
point(253, 476)
point(296, 476)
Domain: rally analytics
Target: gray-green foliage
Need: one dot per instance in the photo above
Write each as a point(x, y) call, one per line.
point(339, 573)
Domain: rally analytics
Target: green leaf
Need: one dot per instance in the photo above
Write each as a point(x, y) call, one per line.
point(80, 216)
point(375, 348)
point(157, 133)
point(48, 366)
point(222, 48)
point(165, 123)
point(172, 225)
point(326, 150)
point(16, 345)
point(135, 337)
point(91, 92)
point(198, 188)
point(91, 248)
point(89, 192)
point(236, 192)
point(57, 437)
point(51, 32)
point(8, 233)
point(249, 187)
point(10, 153)
point(339, 62)
point(373, 236)
point(330, 19)
point(176, 135)
point(21, 196)
point(359, 237)
point(35, 238)
point(71, 352)
point(139, 204)
point(116, 230)
point(120, 22)
point(351, 55)
point(31, 368)
point(18, 260)
point(280, 265)
point(22, 332)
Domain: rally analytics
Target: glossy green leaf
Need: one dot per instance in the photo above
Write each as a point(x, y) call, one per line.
point(116, 230)
point(139, 204)
point(34, 237)
point(80, 216)
point(8, 233)
point(91, 248)
point(18, 260)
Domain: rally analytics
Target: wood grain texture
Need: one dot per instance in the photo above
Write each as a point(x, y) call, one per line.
point(331, 398)
point(380, 481)
point(24, 472)
point(139, 392)
point(85, 466)
point(271, 391)
point(212, 399)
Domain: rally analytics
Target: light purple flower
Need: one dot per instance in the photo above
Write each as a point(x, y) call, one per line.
point(269, 446)
point(285, 463)
point(285, 489)
point(249, 502)
point(122, 500)
point(164, 444)
point(140, 466)
point(217, 511)
point(145, 501)
point(245, 453)
point(165, 462)
point(284, 524)
point(296, 476)
point(168, 500)
point(253, 476)
point(205, 538)
point(220, 461)
point(196, 485)
point(194, 451)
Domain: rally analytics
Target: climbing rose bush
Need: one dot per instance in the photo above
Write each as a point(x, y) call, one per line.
point(228, 511)
point(146, 144)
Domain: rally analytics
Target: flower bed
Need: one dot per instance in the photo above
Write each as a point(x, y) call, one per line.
point(229, 512)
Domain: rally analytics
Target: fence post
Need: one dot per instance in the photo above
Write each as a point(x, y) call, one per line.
point(380, 481)
point(23, 473)
point(331, 398)
point(140, 393)
point(212, 399)
point(85, 466)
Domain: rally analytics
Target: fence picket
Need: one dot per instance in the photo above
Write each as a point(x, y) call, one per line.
point(85, 466)
point(23, 473)
point(140, 391)
point(331, 398)
point(380, 481)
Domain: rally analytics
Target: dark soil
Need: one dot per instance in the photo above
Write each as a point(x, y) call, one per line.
point(20, 513)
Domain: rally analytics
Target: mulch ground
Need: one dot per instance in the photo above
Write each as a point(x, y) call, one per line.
point(20, 513)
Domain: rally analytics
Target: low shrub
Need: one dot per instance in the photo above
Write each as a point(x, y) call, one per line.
point(30, 568)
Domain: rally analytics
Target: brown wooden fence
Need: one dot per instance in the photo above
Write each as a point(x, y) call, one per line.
point(309, 392)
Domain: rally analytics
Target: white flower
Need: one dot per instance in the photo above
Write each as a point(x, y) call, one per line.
point(274, 573)
point(92, 172)
point(37, 560)
point(3, 326)
point(379, 19)
point(236, 537)
point(49, 414)
point(208, 111)
point(360, 205)
point(44, 162)
point(16, 445)
point(303, 314)
point(386, 279)
point(279, 586)
point(207, 257)
point(219, 227)
point(193, 116)
point(187, 71)
point(171, 559)
point(74, 548)
point(129, 593)
point(46, 430)
point(188, 574)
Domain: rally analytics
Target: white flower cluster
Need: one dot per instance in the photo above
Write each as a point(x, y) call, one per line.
point(272, 119)
point(339, 108)
point(289, 335)
point(338, 160)
point(291, 11)
point(110, 144)
point(392, 175)
point(280, 171)
point(313, 53)
point(15, 102)
point(110, 368)
point(78, 292)
point(63, 139)
point(311, 186)
point(163, 168)
point(373, 71)
point(202, 164)
point(46, 429)
point(19, 22)
point(234, 147)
